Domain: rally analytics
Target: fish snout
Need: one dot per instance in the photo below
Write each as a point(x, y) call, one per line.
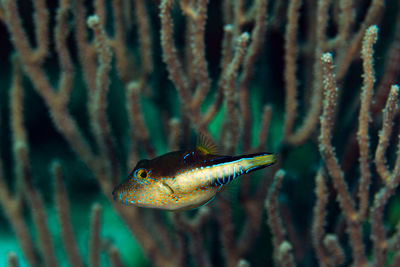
point(113, 193)
point(121, 193)
point(116, 191)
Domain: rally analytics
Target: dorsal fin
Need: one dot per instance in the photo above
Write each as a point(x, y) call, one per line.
point(205, 145)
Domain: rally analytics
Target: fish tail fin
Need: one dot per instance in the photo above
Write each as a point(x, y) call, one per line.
point(259, 161)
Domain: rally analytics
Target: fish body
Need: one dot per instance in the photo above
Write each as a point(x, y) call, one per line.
point(184, 180)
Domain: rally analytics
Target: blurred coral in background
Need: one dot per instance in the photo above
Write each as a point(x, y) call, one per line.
point(91, 87)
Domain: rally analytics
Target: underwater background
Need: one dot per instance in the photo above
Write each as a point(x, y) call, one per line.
point(88, 88)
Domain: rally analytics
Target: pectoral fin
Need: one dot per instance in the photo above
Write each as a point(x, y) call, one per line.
point(166, 188)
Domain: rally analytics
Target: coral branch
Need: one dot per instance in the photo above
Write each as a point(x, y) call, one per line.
point(364, 118)
point(291, 67)
point(12, 260)
point(257, 41)
point(384, 134)
point(229, 93)
point(98, 107)
point(264, 128)
point(332, 245)
point(94, 241)
point(64, 218)
point(145, 39)
point(319, 218)
point(136, 118)
point(331, 162)
point(281, 246)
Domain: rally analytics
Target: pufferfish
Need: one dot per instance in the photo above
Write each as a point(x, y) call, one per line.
point(183, 180)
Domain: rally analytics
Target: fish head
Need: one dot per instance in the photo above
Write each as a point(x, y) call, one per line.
point(144, 188)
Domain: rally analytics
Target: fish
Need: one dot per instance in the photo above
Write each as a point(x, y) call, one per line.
point(186, 179)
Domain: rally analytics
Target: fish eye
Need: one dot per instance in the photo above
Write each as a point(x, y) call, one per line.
point(142, 173)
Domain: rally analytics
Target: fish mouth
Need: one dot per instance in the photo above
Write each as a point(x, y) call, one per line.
point(120, 193)
point(113, 194)
point(115, 191)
